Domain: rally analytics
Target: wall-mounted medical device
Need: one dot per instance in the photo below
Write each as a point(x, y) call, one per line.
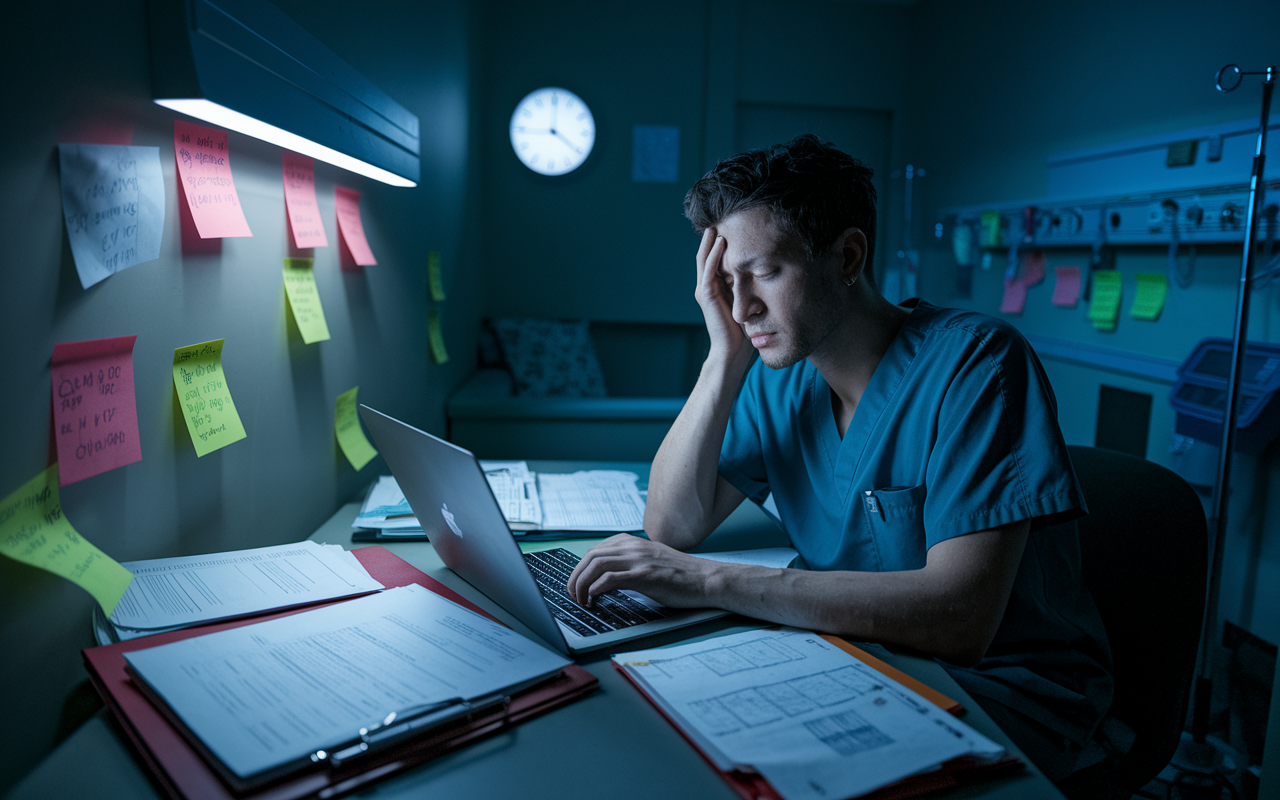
point(1199, 397)
point(246, 66)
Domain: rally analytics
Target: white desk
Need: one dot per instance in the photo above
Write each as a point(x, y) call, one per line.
point(612, 744)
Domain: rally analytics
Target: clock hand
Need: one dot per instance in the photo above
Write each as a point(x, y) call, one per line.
point(571, 145)
point(533, 130)
point(554, 105)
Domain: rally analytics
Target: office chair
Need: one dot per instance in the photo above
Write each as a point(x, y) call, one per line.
point(1144, 554)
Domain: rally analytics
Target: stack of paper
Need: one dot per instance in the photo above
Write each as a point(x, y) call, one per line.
point(516, 490)
point(171, 593)
point(385, 508)
point(813, 720)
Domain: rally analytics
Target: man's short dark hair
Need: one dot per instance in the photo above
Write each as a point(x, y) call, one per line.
point(814, 190)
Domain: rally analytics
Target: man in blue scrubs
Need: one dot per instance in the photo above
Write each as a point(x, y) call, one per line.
point(913, 453)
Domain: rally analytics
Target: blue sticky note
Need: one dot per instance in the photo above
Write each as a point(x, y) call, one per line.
point(655, 154)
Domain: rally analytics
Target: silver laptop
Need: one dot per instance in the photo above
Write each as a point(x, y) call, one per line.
point(451, 498)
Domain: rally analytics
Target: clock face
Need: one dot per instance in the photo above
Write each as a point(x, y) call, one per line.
point(552, 131)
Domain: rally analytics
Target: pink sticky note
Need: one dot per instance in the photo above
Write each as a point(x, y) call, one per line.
point(347, 203)
point(204, 168)
point(95, 416)
point(1066, 286)
point(1015, 296)
point(300, 201)
point(1033, 268)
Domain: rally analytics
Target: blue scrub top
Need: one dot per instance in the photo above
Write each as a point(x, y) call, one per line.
point(956, 432)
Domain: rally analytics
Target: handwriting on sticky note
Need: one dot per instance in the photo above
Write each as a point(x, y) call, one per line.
point(435, 281)
point(34, 530)
point(1066, 286)
point(113, 203)
point(1015, 296)
point(346, 425)
point(304, 299)
point(204, 172)
point(300, 201)
point(206, 402)
point(95, 413)
point(1104, 305)
point(1148, 301)
point(346, 202)
point(435, 337)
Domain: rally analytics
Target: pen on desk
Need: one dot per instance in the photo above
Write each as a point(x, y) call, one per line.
point(400, 725)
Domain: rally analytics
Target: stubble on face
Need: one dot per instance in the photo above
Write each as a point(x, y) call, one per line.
point(815, 311)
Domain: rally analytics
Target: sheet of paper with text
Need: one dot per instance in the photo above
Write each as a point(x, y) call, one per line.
point(304, 299)
point(95, 413)
point(204, 177)
point(206, 401)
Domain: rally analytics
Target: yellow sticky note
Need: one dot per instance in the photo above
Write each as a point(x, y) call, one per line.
point(34, 531)
point(1104, 307)
point(436, 337)
point(206, 403)
point(1153, 288)
point(434, 280)
point(346, 424)
point(304, 299)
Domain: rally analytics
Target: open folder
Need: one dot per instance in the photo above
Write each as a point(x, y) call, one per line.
point(175, 742)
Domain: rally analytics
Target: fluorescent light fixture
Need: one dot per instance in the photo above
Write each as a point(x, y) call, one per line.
point(224, 117)
point(245, 66)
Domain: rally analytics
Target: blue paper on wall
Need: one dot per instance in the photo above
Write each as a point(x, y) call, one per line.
point(655, 154)
point(113, 203)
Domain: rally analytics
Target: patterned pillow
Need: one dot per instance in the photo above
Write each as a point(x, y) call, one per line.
point(549, 358)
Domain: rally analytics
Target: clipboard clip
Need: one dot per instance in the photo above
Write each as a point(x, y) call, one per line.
point(400, 725)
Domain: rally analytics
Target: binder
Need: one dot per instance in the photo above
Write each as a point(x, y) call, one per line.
point(751, 785)
point(183, 774)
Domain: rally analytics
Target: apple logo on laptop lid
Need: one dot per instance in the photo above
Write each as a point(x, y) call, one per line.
point(449, 520)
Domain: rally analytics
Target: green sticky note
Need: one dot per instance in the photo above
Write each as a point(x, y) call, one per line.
point(989, 229)
point(351, 438)
point(434, 280)
point(206, 402)
point(1153, 288)
point(304, 299)
point(436, 337)
point(1104, 307)
point(34, 531)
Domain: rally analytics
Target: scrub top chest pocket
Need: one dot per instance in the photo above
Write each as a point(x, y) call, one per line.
point(895, 518)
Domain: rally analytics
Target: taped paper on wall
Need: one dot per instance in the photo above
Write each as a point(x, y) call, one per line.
point(206, 402)
point(1066, 286)
point(1104, 308)
point(1148, 301)
point(204, 174)
point(346, 425)
point(346, 202)
point(304, 299)
point(95, 412)
point(300, 201)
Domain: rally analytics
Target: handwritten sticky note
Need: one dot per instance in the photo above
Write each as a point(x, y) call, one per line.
point(989, 229)
point(95, 414)
point(300, 201)
point(204, 173)
point(1148, 302)
point(346, 202)
point(304, 299)
point(351, 438)
point(435, 281)
point(435, 337)
point(113, 202)
point(1015, 296)
point(1033, 268)
point(206, 402)
point(1104, 307)
point(1066, 286)
point(34, 530)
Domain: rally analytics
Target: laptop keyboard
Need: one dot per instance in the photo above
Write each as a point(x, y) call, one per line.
point(612, 611)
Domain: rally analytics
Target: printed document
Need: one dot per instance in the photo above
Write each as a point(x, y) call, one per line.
point(265, 695)
point(595, 500)
point(816, 722)
point(516, 489)
point(385, 507)
point(171, 593)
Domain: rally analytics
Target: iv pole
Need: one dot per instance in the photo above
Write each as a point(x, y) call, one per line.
point(1222, 482)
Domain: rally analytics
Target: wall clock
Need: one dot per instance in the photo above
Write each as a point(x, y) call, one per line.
point(552, 131)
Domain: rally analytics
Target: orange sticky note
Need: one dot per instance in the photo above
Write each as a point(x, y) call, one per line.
point(347, 203)
point(300, 201)
point(95, 414)
point(204, 173)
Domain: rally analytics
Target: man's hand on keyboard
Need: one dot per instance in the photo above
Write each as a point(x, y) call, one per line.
point(667, 575)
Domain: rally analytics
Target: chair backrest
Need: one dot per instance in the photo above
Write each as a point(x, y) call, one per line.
point(1144, 554)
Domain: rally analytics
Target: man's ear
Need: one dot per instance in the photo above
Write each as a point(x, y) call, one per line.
point(853, 255)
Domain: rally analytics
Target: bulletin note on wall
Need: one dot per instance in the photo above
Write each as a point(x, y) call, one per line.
point(1015, 296)
point(989, 229)
point(435, 337)
point(1148, 301)
point(304, 299)
point(1104, 307)
point(346, 425)
point(95, 413)
point(113, 203)
point(346, 202)
point(206, 402)
point(1033, 268)
point(435, 281)
point(1066, 286)
point(34, 530)
point(204, 175)
point(300, 201)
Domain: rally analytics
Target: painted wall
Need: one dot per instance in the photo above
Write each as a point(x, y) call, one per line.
point(80, 73)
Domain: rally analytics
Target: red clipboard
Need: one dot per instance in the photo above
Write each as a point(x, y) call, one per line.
point(183, 775)
point(751, 785)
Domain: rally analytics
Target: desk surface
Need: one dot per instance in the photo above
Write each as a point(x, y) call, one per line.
point(612, 744)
